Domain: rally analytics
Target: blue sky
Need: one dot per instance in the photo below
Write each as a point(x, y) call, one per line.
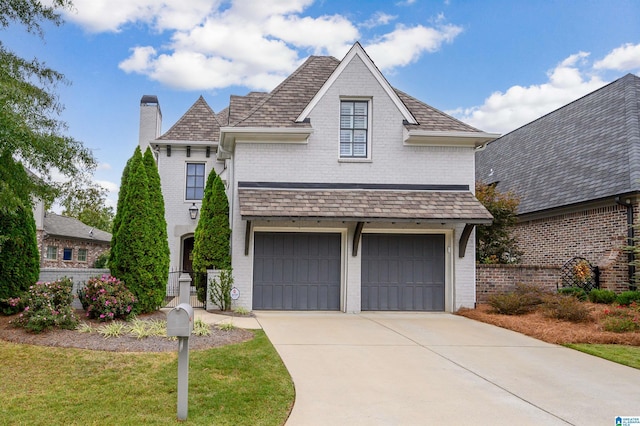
point(495, 64)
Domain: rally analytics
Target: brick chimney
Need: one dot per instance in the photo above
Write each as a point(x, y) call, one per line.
point(150, 121)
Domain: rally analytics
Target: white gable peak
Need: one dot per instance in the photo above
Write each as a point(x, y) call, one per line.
point(358, 50)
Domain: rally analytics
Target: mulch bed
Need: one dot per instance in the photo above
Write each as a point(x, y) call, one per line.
point(550, 330)
point(96, 341)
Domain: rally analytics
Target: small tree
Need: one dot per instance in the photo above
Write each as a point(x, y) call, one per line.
point(494, 243)
point(212, 236)
point(19, 257)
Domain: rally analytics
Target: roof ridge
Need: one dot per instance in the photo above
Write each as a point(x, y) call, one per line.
point(280, 86)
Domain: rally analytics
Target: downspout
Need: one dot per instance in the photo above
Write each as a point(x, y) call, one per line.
point(630, 242)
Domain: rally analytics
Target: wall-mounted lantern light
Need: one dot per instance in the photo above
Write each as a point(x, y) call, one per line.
point(193, 211)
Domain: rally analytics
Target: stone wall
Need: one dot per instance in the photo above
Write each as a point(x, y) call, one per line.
point(94, 250)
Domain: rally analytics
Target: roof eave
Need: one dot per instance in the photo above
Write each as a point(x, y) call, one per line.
point(475, 221)
point(229, 136)
point(447, 138)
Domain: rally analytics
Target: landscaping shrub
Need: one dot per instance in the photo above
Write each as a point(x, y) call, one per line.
point(12, 305)
point(576, 292)
point(510, 303)
point(622, 319)
point(602, 296)
point(220, 290)
point(106, 298)
point(48, 305)
point(525, 298)
point(565, 307)
point(626, 297)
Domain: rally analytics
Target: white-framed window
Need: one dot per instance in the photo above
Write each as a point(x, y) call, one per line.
point(195, 181)
point(67, 253)
point(354, 129)
point(82, 255)
point(52, 253)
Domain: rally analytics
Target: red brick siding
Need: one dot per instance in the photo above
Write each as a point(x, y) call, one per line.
point(94, 249)
point(597, 234)
point(495, 279)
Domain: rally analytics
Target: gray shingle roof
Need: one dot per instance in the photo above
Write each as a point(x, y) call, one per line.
point(586, 150)
point(361, 204)
point(70, 227)
point(283, 105)
point(199, 123)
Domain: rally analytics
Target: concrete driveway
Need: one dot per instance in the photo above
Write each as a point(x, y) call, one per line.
point(440, 369)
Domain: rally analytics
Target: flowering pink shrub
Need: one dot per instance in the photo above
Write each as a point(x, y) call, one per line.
point(106, 298)
point(48, 305)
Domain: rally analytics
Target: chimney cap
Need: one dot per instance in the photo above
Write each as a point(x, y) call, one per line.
point(149, 99)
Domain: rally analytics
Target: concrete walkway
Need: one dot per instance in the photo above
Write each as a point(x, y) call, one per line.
point(436, 368)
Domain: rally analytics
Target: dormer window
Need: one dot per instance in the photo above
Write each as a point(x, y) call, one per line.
point(354, 129)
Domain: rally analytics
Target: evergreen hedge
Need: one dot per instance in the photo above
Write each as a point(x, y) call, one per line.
point(19, 255)
point(211, 245)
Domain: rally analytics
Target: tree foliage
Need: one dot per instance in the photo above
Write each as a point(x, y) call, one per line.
point(211, 245)
point(19, 257)
point(30, 131)
point(86, 201)
point(136, 255)
point(495, 243)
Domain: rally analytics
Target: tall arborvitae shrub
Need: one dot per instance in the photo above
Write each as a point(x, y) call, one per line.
point(19, 256)
point(133, 256)
point(158, 223)
point(211, 245)
point(117, 220)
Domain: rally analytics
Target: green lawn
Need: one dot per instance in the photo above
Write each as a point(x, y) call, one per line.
point(243, 384)
point(626, 355)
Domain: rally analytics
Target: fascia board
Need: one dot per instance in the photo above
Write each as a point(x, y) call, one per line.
point(357, 50)
point(439, 138)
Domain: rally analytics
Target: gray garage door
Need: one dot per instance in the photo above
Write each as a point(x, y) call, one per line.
point(296, 271)
point(402, 272)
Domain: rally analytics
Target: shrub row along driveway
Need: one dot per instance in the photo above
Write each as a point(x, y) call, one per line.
point(436, 368)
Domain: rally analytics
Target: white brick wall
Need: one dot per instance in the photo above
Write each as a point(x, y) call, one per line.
point(318, 161)
point(173, 180)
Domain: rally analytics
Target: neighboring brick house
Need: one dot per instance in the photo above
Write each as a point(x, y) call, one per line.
point(345, 193)
point(65, 242)
point(577, 173)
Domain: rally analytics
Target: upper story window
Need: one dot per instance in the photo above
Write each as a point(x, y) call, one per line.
point(195, 181)
point(354, 129)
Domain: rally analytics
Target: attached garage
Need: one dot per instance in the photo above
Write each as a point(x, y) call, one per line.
point(403, 272)
point(296, 271)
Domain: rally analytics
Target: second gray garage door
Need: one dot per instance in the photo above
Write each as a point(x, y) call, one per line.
point(403, 272)
point(296, 271)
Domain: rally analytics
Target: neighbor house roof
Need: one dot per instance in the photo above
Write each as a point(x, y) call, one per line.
point(584, 151)
point(199, 123)
point(70, 227)
point(361, 204)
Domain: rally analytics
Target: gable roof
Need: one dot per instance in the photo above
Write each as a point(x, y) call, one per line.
point(199, 123)
point(70, 227)
point(357, 51)
point(584, 151)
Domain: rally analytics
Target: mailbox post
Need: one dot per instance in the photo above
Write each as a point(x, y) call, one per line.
point(180, 324)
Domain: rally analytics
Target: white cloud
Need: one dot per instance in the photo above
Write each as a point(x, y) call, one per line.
point(112, 15)
point(623, 58)
point(218, 43)
point(406, 44)
point(379, 18)
point(518, 105)
point(103, 166)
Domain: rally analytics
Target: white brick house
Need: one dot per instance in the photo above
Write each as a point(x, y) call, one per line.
point(345, 193)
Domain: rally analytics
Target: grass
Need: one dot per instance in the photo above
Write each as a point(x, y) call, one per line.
point(622, 354)
point(236, 384)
